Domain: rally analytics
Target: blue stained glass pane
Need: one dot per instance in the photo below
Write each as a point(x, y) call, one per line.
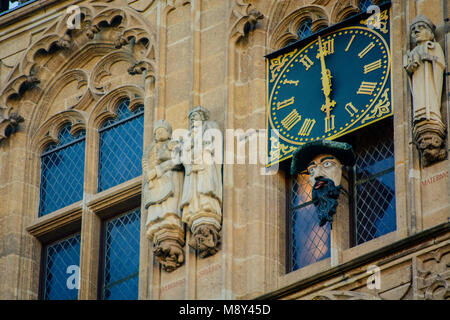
point(375, 215)
point(62, 172)
point(304, 30)
point(121, 259)
point(375, 187)
point(364, 4)
point(300, 190)
point(310, 242)
point(61, 269)
point(121, 146)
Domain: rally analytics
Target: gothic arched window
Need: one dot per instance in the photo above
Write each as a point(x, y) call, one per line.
point(62, 171)
point(121, 143)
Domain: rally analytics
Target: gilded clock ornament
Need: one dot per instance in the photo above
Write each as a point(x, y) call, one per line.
point(329, 84)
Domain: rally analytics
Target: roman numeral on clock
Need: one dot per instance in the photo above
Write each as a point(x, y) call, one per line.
point(306, 128)
point(350, 108)
point(367, 88)
point(329, 123)
point(306, 62)
point(350, 43)
point(328, 47)
point(291, 120)
point(372, 66)
point(285, 103)
point(366, 50)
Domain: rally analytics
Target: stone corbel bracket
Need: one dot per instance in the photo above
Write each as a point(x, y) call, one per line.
point(429, 136)
point(168, 243)
point(206, 237)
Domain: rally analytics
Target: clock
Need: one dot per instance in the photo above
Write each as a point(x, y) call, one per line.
point(328, 85)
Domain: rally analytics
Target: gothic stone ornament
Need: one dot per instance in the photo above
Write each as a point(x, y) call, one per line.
point(162, 188)
point(425, 64)
point(246, 18)
point(8, 123)
point(202, 189)
point(206, 239)
point(324, 160)
point(432, 274)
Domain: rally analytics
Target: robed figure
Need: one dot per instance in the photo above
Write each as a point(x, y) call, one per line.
point(162, 190)
point(202, 188)
point(425, 64)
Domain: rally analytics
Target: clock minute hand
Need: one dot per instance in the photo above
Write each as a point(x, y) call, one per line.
point(326, 81)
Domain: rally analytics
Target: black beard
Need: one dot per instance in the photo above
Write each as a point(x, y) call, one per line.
point(325, 196)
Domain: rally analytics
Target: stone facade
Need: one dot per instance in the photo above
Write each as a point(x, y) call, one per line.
point(171, 56)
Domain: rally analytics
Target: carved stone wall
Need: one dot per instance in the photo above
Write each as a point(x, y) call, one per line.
point(172, 55)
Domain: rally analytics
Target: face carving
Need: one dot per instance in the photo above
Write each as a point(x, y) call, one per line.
point(325, 175)
point(195, 119)
point(324, 161)
point(324, 166)
point(421, 32)
point(161, 134)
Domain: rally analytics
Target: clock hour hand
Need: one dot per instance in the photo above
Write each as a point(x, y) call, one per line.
point(326, 81)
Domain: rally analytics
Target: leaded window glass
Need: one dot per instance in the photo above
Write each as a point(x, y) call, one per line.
point(62, 171)
point(309, 242)
point(61, 269)
point(374, 185)
point(364, 4)
point(121, 143)
point(121, 257)
point(304, 30)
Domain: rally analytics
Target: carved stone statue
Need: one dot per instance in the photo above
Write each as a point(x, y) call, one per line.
point(425, 64)
point(323, 160)
point(162, 189)
point(202, 189)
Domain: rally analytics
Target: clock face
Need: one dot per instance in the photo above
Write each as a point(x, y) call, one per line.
point(332, 85)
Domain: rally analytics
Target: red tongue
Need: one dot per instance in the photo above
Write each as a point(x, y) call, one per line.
point(319, 184)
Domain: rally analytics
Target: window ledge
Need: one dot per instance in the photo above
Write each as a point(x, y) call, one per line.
point(116, 198)
point(57, 223)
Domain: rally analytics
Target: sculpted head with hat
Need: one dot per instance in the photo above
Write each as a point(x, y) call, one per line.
point(323, 160)
point(422, 29)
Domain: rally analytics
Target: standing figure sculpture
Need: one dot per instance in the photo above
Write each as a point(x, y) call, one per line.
point(425, 64)
point(162, 188)
point(202, 189)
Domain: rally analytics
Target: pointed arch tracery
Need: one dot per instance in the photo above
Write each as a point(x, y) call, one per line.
point(106, 38)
